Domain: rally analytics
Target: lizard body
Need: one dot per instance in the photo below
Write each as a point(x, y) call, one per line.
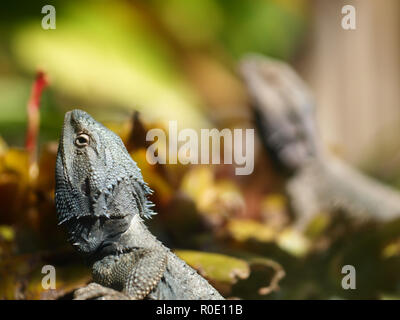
point(317, 180)
point(101, 199)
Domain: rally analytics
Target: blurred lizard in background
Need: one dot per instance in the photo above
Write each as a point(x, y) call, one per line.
point(317, 181)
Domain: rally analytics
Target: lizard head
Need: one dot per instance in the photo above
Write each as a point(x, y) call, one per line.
point(98, 185)
point(284, 111)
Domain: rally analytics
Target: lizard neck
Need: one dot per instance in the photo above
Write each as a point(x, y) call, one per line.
point(137, 235)
point(98, 238)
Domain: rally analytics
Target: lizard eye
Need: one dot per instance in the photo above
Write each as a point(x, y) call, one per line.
point(82, 140)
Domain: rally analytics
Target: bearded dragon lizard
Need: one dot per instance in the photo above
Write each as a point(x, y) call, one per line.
point(101, 199)
point(317, 180)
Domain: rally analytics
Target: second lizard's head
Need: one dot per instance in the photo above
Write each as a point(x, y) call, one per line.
point(98, 185)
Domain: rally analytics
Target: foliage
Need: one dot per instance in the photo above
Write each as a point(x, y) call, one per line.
point(170, 60)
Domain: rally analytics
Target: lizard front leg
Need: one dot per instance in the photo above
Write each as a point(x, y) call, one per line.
point(97, 291)
point(131, 275)
point(146, 272)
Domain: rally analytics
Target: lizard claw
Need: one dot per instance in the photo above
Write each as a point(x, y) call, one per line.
point(98, 292)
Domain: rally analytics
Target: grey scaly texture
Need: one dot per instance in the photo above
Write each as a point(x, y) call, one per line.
point(101, 199)
point(317, 180)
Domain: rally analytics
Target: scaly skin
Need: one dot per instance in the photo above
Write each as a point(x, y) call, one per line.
point(317, 180)
point(101, 199)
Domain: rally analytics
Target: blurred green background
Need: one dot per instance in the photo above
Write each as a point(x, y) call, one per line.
point(168, 59)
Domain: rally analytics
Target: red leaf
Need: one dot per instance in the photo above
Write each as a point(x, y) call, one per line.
point(34, 114)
